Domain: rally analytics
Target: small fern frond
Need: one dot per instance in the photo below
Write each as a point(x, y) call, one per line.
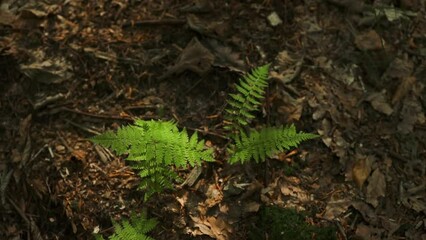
point(134, 228)
point(250, 93)
point(155, 178)
point(259, 145)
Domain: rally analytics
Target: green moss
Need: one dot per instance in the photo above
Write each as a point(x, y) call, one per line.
point(276, 223)
point(291, 169)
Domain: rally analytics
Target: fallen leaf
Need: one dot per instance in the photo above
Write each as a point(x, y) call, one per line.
point(214, 196)
point(379, 103)
point(403, 89)
point(251, 207)
point(335, 208)
point(399, 68)
point(368, 232)
point(369, 41)
point(52, 70)
point(195, 57)
point(288, 67)
point(411, 113)
point(361, 170)
point(376, 188)
point(367, 212)
point(225, 57)
point(290, 108)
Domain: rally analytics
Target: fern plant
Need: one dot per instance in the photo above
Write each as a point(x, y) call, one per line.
point(134, 228)
point(154, 147)
point(250, 93)
point(256, 144)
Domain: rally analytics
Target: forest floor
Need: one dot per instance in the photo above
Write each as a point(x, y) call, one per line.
point(353, 72)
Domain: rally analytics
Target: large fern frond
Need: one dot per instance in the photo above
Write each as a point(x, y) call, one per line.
point(250, 93)
point(155, 146)
point(158, 141)
point(267, 142)
point(134, 228)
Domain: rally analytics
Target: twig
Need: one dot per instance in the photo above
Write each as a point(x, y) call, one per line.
point(82, 127)
point(64, 142)
point(208, 133)
point(94, 115)
point(155, 22)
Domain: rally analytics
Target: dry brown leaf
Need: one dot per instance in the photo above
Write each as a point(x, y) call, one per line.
point(219, 227)
point(336, 208)
point(376, 188)
point(195, 57)
point(291, 108)
point(399, 68)
point(214, 196)
point(361, 170)
point(251, 207)
point(201, 225)
point(379, 103)
point(366, 211)
point(403, 89)
point(367, 232)
point(225, 57)
point(411, 113)
point(369, 41)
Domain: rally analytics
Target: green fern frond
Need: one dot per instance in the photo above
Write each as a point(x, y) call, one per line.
point(250, 93)
point(155, 177)
point(157, 141)
point(134, 228)
point(154, 146)
point(259, 145)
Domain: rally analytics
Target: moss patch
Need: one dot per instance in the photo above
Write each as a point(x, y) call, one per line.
point(279, 223)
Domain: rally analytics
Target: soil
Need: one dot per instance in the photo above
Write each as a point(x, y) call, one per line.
point(352, 72)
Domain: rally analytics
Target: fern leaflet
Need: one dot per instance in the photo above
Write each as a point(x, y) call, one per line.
point(135, 228)
point(266, 143)
point(251, 89)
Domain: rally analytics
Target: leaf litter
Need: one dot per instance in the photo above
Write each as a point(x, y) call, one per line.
point(354, 75)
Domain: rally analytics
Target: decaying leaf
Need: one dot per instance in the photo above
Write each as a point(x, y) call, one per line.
point(361, 170)
point(376, 187)
point(214, 227)
point(367, 232)
point(399, 68)
point(46, 69)
point(414, 198)
point(225, 57)
point(290, 108)
point(335, 208)
point(213, 29)
point(367, 212)
point(403, 89)
point(289, 67)
point(411, 113)
point(379, 103)
point(369, 40)
point(195, 57)
point(214, 196)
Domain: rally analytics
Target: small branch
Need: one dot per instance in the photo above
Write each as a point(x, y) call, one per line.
point(154, 22)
